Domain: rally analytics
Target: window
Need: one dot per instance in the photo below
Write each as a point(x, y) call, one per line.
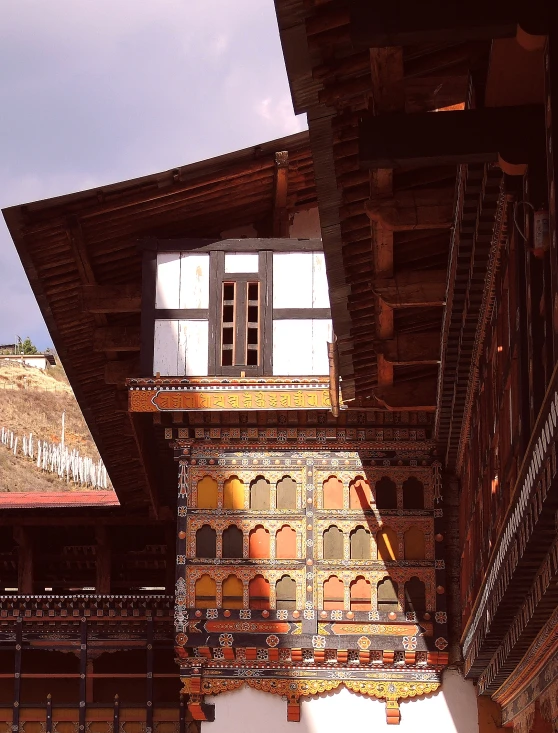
point(233, 493)
point(285, 593)
point(361, 595)
point(333, 544)
point(233, 593)
point(413, 494)
point(206, 592)
point(260, 494)
point(206, 542)
point(259, 543)
point(333, 493)
point(285, 548)
point(360, 544)
point(360, 494)
point(386, 494)
point(207, 493)
point(386, 540)
point(258, 591)
point(238, 308)
point(387, 596)
point(334, 594)
point(233, 542)
point(286, 493)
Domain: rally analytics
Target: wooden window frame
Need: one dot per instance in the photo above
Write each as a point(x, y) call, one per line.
point(217, 277)
point(216, 248)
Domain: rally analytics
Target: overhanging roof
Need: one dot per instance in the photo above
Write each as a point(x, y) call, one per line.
point(90, 238)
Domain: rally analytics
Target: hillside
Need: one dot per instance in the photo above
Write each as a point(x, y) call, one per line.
point(32, 401)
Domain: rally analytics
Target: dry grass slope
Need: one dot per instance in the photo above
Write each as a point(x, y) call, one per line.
point(32, 401)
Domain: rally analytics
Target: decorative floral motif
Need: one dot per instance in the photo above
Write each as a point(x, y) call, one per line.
point(310, 543)
point(308, 605)
point(373, 616)
point(226, 639)
point(410, 643)
point(246, 614)
point(318, 642)
point(181, 559)
point(262, 655)
point(441, 617)
point(212, 613)
point(182, 511)
point(309, 613)
point(181, 639)
point(337, 615)
point(411, 616)
point(440, 565)
point(364, 643)
point(441, 643)
point(282, 615)
point(272, 640)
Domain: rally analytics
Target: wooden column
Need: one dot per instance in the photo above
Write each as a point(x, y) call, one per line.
point(170, 559)
point(17, 675)
point(551, 125)
point(149, 686)
point(103, 564)
point(48, 723)
point(82, 675)
point(25, 564)
point(387, 96)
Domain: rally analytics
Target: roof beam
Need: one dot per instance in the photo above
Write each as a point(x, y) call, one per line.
point(415, 395)
point(111, 298)
point(116, 338)
point(511, 134)
point(430, 208)
point(422, 288)
point(406, 22)
point(281, 185)
point(408, 349)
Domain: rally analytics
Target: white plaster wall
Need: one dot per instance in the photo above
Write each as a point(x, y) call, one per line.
point(452, 710)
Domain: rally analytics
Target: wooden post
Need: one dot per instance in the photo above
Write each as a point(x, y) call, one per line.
point(48, 723)
point(17, 675)
point(182, 715)
point(82, 675)
point(116, 714)
point(149, 687)
point(103, 561)
point(170, 559)
point(551, 133)
point(25, 564)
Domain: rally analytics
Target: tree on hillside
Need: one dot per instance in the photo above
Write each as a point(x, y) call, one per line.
point(27, 347)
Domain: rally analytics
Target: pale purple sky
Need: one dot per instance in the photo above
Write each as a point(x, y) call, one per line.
point(98, 91)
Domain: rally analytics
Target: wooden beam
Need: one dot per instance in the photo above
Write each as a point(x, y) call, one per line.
point(117, 372)
point(418, 395)
point(143, 436)
point(511, 134)
point(111, 298)
point(406, 22)
point(428, 208)
point(412, 289)
point(280, 226)
point(116, 338)
point(408, 349)
point(388, 96)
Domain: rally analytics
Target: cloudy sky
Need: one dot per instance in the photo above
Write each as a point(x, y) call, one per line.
point(98, 91)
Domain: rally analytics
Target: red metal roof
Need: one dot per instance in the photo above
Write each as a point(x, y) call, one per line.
point(57, 499)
